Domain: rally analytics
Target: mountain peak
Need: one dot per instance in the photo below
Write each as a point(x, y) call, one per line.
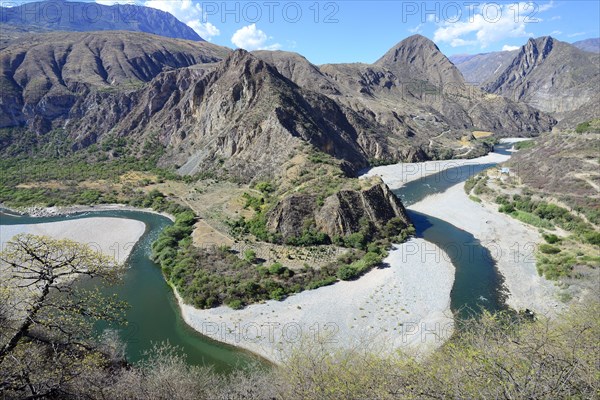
point(44, 16)
point(418, 58)
point(538, 49)
point(550, 75)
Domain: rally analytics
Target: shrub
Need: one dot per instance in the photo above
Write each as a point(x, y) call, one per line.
point(592, 238)
point(276, 269)
point(277, 294)
point(526, 144)
point(347, 272)
point(551, 238)
point(265, 187)
point(547, 249)
point(250, 255)
point(235, 304)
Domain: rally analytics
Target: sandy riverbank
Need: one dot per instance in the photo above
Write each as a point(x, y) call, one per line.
point(406, 305)
point(114, 237)
point(36, 211)
point(511, 242)
point(397, 175)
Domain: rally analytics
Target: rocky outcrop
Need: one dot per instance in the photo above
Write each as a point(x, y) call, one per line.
point(292, 214)
point(480, 68)
point(341, 213)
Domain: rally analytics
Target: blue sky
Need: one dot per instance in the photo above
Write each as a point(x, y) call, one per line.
point(362, 31)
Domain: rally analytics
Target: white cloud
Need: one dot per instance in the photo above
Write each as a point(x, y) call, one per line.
point(490, 23)
point(206, 30)
point(555, 33)
point(188, 12)
point(544, 7)
point(576, 34)
point(113, 2)
point(416, 29)
point(251, 38)
point(555, 18)
point(507, 47)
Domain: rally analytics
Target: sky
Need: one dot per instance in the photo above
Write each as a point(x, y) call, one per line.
point(362, 31)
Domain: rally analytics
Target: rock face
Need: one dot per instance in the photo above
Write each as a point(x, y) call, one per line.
point(44, 76)
point(83, 17)
point(550, 75)
point(480, 68)
point(212, 114)
point(292, 214)
point(418, 58)
point(341, 213)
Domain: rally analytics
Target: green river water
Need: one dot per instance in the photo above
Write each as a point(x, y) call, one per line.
point(154, 314)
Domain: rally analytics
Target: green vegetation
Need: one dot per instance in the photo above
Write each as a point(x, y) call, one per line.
point(551, 238)
point(592, 126)
point(477, 184)
point(210, 277)
point(56, 180)
point(556, 258)
point(548, 249)
point(524, 145)
point(549, 214)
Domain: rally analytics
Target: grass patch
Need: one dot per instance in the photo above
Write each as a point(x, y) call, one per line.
point(531, 219)
point(524, 145)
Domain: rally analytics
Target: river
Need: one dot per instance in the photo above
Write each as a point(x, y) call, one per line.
point(154, 315)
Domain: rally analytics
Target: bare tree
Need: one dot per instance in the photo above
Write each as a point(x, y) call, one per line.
point(46, 338)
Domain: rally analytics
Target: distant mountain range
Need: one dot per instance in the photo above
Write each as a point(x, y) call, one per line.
point(479, 68)
point(212, 108)
point(592, 45)
point(205, 103)
point(553, 76)
point(62, 15)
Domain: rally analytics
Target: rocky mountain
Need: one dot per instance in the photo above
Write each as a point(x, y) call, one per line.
point(63, 15)
point(256, 116)
point(591, 45)
point(44, 76)
point(411, 105)
point(480, 68)
point(418, 58)
point(550, 75)
point(416, 95)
